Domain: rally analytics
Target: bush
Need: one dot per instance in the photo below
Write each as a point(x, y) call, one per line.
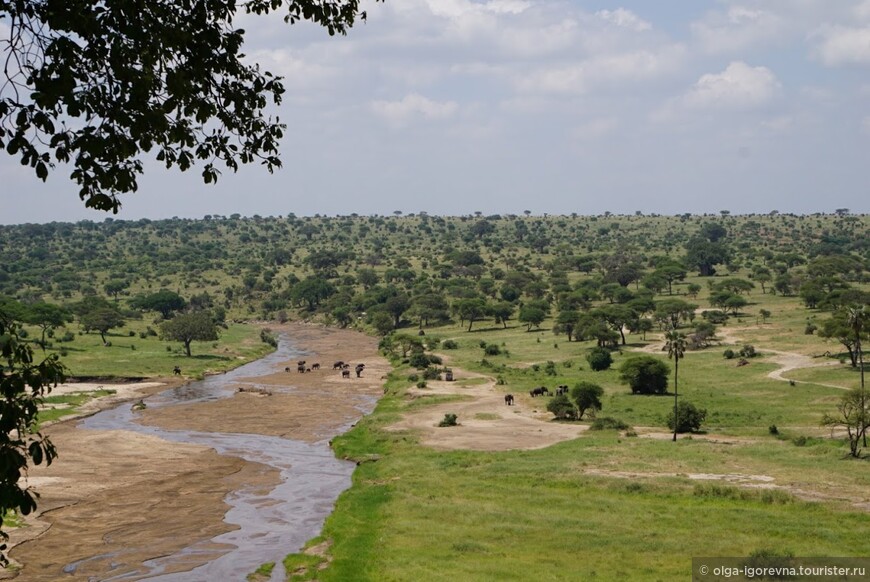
point(562, 408)
point(810, 329)
point(599, 359)
point(492, 350)
point(267, 337)
point(449, 420)
point(419, 360)
point(689, 417)
point(748, 351)
point(773, 430)
point(645, 375)
point(729, 354)
point(608, 423)
point(715, 316)
point(68, 337)
point(482, 344)
point(450, 345)
point(142, 335)
point(131, 333)
point(413, 377)
point(421, 384)
point(431, 374)
point(550, 368)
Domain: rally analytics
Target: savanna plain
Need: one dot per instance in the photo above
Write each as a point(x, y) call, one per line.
point(597, 327)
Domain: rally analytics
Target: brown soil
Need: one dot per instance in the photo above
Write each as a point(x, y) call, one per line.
point(117, 498)
point(485, 422)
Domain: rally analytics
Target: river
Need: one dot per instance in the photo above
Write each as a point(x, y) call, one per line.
point(270, 525)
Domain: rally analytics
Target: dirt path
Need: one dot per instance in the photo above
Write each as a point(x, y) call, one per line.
point(118, 498)
point(485, 422)
point(787, 361)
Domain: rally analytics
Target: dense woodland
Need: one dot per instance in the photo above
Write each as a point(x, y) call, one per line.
point(589, 277)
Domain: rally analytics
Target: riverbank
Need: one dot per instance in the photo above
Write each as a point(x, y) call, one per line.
point(114, 499)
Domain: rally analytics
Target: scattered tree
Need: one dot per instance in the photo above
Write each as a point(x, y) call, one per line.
point(587, 396)
point(675, 343)
point(645, 375)
point(189, 327)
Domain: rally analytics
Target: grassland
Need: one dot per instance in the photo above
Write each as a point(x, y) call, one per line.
point(608, 506)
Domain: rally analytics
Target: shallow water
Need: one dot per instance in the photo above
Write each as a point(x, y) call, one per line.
point(270, 525)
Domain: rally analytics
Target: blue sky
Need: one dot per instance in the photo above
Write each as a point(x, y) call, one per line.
point(454, 106)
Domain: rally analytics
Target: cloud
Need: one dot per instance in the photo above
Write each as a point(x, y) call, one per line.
point(625, 19)
point(739, 86)
point(399, 113)
point(737, 29)
point(842, 45)
point(601, 71)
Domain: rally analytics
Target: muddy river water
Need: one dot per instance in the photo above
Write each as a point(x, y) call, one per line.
point(271, 524)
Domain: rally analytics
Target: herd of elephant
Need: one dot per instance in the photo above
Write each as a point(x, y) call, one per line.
point(344, 367)
point(539, 391)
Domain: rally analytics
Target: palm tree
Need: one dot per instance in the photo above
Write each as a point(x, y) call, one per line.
point(856, 318)
point(675, 342)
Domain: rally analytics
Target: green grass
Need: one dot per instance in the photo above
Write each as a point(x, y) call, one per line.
point(264, 572)
point(604, 506)
point(135, 357)
point(72, 401)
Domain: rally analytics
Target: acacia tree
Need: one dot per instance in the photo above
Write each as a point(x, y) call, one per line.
point(102, 320)
point(675, 343)
point(97, 84)
point(187, 327)
point(23, 384)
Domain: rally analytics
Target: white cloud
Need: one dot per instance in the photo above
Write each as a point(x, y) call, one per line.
point(739, 86)
point(625, 19)
point(737, 29)
point(399, 113)
point(602, 71)
point(842, 45)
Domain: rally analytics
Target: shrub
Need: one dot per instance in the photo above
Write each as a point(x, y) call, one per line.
point(645, 375)
point(413, 377)
point(772, 429)
point(431, 374)
point(550, 368)
point(267, 337)
point(715, 316)
point(449, 420)
point(68, 337)
point(810, 329)
point(421, 384)
point(748, 351)
point(450, 345)
point(492, 350)
point(729, 354)
point(689, 417)
point(142, 335)
point(562, 408)
point(608, 423)
point(482, 344)
point(131, 333)
point(419, 360)
point(433, 359)
point(599, 359)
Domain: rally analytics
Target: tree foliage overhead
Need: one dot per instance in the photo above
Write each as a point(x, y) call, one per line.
point(98, 84)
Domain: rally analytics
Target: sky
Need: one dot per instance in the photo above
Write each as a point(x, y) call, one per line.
point(502, 106)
